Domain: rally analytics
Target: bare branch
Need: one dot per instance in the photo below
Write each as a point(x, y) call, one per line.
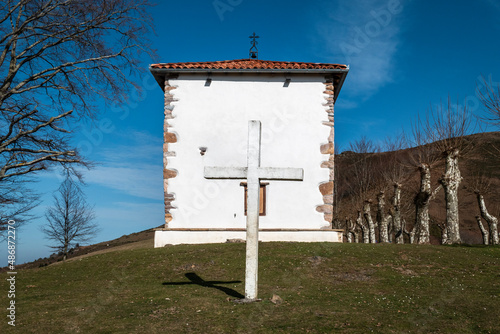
point(490, 98)
point(56, 59)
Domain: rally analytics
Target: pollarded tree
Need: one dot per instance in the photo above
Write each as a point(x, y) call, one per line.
point(382, 218)
point(71, 219)
point(395, 173)
point(479, 182)
point(363, 177)
point(446, 128)
point(423, 157)
point(354, 182)
point(57, 59)
point(490, 219)
point(451, 125)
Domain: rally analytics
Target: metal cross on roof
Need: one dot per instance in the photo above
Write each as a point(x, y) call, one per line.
point(254, 53)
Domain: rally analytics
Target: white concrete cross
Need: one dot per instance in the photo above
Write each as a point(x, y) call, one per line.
point(253, 173)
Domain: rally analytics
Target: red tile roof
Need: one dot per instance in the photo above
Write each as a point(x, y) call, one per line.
point(247, 64)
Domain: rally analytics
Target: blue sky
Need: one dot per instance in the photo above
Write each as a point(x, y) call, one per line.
point(404, 56)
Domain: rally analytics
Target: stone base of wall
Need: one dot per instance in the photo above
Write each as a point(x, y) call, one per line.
point(165, 237)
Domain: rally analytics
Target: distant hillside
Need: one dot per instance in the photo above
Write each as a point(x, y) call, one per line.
point(135, 240)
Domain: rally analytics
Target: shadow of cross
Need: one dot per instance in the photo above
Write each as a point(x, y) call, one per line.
point(197, 280)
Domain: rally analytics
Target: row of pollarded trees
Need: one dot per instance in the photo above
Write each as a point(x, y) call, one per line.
point(398, 183)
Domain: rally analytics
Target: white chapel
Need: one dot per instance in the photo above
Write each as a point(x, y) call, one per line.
point(208, 106)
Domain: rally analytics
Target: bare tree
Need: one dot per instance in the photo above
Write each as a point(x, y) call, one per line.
point(363, 227)
point(421, 229)
point(57, 59)
point(424, 157)
point(382, 218)
point(450, 128)
point(490, 98)
point(363, 176)
point(395, 172)
point(484, 232)
point(16, 203)
point(446, 128)
point(396, 214)
point(354, 182)
point(350, 228)
point(479, 184)
point(369, 220)
point(70, 220)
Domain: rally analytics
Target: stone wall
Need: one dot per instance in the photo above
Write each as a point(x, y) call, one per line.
point(169, 137)
point(328, 149)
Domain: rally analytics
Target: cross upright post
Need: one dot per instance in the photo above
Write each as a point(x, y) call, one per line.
point(253, 203)
point(253, 173)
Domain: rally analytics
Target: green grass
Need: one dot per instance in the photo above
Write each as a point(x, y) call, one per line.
point(325, 288)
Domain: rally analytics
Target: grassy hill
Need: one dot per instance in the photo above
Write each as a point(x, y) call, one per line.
point(305, 288)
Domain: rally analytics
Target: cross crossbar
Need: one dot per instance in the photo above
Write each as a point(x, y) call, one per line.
point(225, 172)
point(264, 173)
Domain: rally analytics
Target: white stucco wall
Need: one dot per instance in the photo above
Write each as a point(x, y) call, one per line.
point(216, 117)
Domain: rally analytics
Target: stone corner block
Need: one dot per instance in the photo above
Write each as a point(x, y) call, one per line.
point(328, 148)
point(169, 173)
point(326, 188)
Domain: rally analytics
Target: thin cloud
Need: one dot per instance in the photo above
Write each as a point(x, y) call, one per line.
point(494, 3)
point(142, 214)
point(365, 35)
point(133, 167)
point(144, 181)
point(135, 146)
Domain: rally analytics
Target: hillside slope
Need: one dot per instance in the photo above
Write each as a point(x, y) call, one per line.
point(305, 288)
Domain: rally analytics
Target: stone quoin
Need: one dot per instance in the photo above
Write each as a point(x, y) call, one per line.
point(207, 109)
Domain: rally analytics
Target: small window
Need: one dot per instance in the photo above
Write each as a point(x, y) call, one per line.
point(262, 197)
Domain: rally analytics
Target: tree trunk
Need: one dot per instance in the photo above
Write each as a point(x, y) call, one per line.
point(349, 237)
point(390, 229)
point(364, 229)
point(484, 232)
point(412, 234)
point(444, 234)
point(491, 220)
point(351, 231)
point(348, 229)
point(65, 251)
point(421, 227)
point(451, 181)
point(356, 236)
point(368, 217)
point(396, 214)
point(382, 218)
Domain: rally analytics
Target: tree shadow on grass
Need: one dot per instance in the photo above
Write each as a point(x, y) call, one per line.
point(197, 280)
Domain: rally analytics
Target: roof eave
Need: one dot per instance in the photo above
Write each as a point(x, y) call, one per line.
point(161, 73)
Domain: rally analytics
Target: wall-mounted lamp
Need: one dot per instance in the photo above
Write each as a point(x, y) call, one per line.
point(202, 150)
